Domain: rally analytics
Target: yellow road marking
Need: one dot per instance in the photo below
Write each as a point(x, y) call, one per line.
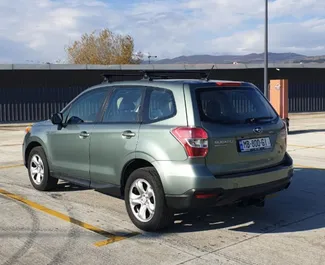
point(111, 237)
point(111, 240)
point(11, 166)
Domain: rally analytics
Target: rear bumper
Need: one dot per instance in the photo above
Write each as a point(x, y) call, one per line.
point(219, 196)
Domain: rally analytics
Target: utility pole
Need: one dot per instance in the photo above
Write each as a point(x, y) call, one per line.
point(266, 53)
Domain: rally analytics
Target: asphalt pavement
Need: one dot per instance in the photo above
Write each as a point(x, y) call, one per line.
point(73, 225)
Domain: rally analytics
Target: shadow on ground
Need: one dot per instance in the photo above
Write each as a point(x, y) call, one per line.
point(67, 187)
point(300, 208)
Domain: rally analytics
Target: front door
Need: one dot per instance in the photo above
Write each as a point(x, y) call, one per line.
point(113, 142)
point(69, 144)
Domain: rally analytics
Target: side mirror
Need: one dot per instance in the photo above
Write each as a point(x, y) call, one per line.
point(57, 118)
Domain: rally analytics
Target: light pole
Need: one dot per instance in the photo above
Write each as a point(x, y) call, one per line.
point(150, 57)
point(266, 53)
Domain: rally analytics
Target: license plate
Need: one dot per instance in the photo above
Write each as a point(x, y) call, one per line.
point(248, 145)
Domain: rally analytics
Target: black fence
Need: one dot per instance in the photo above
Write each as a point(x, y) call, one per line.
point(33, 95)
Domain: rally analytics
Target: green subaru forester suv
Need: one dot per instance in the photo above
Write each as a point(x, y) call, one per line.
point(164, 146)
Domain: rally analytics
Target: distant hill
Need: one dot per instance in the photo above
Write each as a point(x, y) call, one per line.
point(312, 59)
point(247, 59)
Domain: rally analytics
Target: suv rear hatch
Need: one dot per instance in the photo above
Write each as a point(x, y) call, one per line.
point(244, 131)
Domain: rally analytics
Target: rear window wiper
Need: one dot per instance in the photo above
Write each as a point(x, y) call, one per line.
point(257, 119)
point(225, 121)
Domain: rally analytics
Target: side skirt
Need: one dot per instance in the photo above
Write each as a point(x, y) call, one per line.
point(105, 188)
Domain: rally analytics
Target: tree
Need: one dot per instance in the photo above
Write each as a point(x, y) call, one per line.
point(104, 48)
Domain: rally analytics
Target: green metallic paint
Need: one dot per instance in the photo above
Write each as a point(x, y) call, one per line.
point(38, 134)
point(101, 158)
point(223, 159)
point(110, 151)
point(69, 152)
point(180, 176)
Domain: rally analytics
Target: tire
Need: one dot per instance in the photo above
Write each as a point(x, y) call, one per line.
point(41, 180)
point(161, 216)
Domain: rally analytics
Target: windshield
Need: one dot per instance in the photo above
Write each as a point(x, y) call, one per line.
point(234, 105)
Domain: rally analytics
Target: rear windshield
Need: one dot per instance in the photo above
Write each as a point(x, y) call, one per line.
point(233, 105)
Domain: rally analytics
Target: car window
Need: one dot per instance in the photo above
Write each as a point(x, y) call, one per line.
point(233, 105)
point(86, 109)
point(124, 105)
point(161, 104)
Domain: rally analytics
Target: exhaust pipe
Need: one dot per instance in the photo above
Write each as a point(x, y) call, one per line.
point(258, 202)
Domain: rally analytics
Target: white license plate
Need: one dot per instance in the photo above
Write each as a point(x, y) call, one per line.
point(248, 145)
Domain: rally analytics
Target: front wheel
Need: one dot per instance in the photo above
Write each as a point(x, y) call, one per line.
point(38, 169)
point(145, 200)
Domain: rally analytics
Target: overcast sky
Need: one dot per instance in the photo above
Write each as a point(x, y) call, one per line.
point(38, 30)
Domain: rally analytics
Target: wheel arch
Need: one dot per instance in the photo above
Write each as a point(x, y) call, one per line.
point(30, 146)
point(130, 167)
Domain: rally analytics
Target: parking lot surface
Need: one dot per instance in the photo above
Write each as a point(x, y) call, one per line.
point(73, 225)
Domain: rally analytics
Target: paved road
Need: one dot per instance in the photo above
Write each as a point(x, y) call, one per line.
point(72, 225)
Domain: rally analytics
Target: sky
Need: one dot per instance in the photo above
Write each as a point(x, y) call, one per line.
point(37, 31)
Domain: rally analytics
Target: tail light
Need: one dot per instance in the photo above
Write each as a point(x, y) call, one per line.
point(193, 139)
point(284, 133)
point(206, 195)
point(231, 84)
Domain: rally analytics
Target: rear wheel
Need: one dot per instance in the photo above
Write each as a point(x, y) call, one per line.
point(38, 170)
point(145, 200)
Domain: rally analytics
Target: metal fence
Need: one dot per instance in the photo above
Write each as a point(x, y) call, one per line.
point(306, 97)
point(33, 95)
point(37, 104)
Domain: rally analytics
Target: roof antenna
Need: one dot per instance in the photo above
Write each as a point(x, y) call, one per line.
point(146, 76)
point(208, 75)
point(106, 78)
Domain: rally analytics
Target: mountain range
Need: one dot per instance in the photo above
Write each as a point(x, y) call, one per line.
point(251, 58)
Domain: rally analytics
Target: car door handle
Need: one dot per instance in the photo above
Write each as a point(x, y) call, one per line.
point(128, 134)
point(84, 134)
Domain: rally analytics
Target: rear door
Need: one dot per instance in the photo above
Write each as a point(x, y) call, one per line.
point(245, 133)
point(114, 140)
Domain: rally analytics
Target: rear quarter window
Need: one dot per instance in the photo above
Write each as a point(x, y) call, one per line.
point(233, 105)
point(161, 104)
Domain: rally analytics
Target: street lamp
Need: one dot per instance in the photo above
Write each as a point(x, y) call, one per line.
point(151, 56)
point(266, 64)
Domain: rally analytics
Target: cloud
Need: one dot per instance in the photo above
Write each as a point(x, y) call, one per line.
point(297, 8)
point(15, 52)
point(306, 37)
point(39, 30)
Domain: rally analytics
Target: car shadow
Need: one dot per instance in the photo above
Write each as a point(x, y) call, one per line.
point(305, 131)
point(68, 187)
point(298, 208)
point(292, 210)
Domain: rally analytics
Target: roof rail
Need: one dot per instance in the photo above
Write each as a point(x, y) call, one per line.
point(159, 74)
point(165, 74)
point(108, 77)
